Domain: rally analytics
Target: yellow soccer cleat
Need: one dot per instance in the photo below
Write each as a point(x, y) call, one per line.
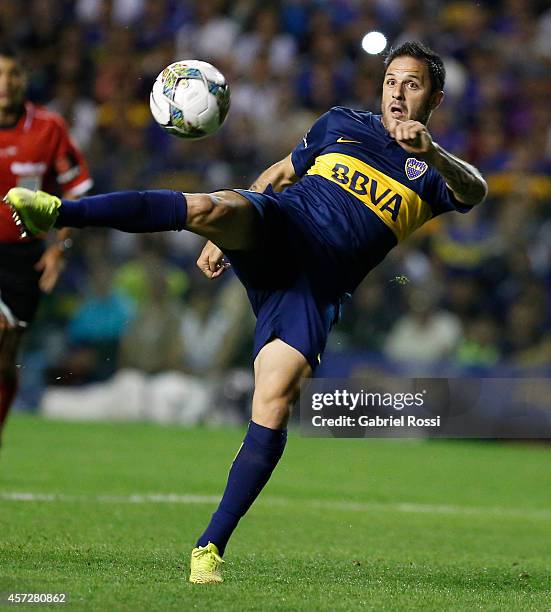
point(205, 564)
point(35, 212)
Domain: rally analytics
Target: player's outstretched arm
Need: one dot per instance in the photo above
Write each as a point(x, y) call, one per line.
point(466, 182)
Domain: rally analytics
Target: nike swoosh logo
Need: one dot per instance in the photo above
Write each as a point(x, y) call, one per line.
point(341, 139)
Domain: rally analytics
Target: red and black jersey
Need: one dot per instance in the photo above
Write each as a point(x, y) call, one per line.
point(38, 153)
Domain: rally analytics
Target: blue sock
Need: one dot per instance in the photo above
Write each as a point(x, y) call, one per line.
point(251, 469)
point(128, 211)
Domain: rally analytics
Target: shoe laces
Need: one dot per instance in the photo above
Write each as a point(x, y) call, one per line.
point(209, 556)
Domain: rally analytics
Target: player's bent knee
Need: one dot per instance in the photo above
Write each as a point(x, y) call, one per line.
point(275, 391)
point(272, 407)
point(207, 209)
point(273, 414)
point(199, 209)
point(225, 217)
point(279, 372)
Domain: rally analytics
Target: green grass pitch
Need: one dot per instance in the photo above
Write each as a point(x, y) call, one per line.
point(113, 512)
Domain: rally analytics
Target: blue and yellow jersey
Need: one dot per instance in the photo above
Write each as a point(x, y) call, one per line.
point(361, 192)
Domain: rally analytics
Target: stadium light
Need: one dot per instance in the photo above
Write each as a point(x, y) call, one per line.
point(374, 42)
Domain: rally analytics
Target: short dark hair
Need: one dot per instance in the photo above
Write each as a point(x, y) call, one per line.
point(11, 51)
point(418, 50)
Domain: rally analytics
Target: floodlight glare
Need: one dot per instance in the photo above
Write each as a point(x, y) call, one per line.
point(373, 42)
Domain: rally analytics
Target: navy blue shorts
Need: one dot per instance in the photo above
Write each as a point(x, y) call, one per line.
point(288, 297)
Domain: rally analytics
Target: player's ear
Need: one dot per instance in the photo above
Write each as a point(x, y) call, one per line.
point(436, 99)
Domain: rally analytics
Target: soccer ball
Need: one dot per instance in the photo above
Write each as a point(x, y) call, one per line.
point(190, 99)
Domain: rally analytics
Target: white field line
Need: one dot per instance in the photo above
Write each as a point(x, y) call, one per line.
point(345, 506)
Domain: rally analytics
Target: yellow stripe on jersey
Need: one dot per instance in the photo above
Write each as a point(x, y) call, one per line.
point(396, 205)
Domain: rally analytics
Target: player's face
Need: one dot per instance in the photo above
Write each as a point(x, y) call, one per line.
point(12, 84)
point(407, 91)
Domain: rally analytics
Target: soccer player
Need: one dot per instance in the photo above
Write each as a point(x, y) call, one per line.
point(35, 152)
point(306, 233)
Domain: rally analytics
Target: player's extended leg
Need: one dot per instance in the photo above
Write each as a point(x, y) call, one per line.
point(279, 370)
point(225, 217)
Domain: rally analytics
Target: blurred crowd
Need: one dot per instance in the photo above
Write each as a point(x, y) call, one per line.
point(469, 290)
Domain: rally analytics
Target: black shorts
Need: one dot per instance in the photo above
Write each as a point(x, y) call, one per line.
point(18, 279)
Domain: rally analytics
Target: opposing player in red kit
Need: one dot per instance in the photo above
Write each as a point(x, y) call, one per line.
point(36, 152)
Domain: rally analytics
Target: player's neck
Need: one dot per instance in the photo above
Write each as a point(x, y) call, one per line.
point(10, 116)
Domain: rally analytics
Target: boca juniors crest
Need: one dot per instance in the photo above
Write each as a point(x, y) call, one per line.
point(415, 168)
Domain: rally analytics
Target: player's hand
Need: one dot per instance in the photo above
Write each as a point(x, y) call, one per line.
point(413, 137)
point(51, 265)
point(211, 261)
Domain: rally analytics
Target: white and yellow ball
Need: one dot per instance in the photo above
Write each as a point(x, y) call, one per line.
point(190, 99)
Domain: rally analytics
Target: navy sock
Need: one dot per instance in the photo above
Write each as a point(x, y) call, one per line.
point(129, 211)
point(251, 469)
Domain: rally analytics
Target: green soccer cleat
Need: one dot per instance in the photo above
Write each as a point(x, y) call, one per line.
point(205, 564)
point(34, 212)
